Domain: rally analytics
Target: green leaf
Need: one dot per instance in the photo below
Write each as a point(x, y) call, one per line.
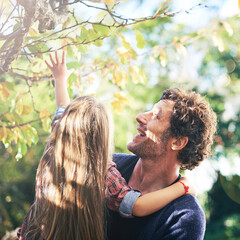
point(83, 36)
point(16, 26)
point(124, 59)
point(9, 85)
point(101, 30)
point(43, 47)
point(72, 78)
point(66, 23)
point(19, 152)
point(34, 135)
point(140, 40)
point(70, 52)
point(24, 134)
point(32, 48)
point(23, 148)
point(45, 119)
point(83, 48)
point(74, 65)
point(92, 35)
point(16, 117)
point(98, 43)
point(19, 105)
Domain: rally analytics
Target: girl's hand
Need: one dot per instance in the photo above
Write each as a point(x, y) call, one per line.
point(58, 68)
point(60, 74)
point(192, 189)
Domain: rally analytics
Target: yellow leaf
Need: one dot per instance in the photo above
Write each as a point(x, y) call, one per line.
point(201, 31)
point(163, 58)
point(125, 59)
point(134, 70)
point(117, 106)
point(26, 110)
point(44, 113)
point(142, 76)
point(118, 78)
point(239, 5)
point(32, 32)
point(18, 135)
point(181, 49)
point(184, 39)
point(160, 9)
point(64, 43)
point(151, 58)
point(120, 96)
point(175, 39)
point(19, 105)
point(227, 28)
point(90, 79)
point(9, 118)
point(121, 50)
point(156, 51)
point(125, 43)
point(119, 102)
point(217, 41)
point(4, 93)
point(3, 132)
point(46, 121)
point(109, 1)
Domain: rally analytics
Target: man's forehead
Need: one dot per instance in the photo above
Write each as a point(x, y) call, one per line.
point(164, 105)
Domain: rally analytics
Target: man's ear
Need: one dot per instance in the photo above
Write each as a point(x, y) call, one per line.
point(179, 143)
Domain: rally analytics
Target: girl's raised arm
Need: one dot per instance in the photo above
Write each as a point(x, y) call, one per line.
point(60, 74)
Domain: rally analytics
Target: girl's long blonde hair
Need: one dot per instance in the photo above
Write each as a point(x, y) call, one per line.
point(70, 179)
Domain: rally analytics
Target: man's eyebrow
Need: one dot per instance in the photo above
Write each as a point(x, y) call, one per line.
point(159, 110)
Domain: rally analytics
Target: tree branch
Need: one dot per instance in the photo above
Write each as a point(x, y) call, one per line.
point(26, 123)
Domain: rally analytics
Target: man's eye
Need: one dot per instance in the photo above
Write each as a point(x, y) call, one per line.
point(155, 116)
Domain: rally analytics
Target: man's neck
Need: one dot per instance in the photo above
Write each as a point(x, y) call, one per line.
point(149, 176)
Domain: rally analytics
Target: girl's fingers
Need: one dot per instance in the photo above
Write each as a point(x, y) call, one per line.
point(53, 63)
point(56, 55)
point(63, 57)
point(48, 65)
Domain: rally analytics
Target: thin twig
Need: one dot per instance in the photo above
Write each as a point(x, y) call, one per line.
point(26, 123)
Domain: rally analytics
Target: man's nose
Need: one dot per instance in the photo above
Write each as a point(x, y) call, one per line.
point(143, 117)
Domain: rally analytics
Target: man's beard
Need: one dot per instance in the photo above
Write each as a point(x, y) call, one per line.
point(149, 148)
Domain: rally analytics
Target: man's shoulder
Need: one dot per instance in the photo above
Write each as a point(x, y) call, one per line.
point(186, 208)
point(187, 202)
point(181, 219)
point(125, 164)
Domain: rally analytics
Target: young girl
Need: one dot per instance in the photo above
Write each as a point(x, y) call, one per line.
point(75, 175)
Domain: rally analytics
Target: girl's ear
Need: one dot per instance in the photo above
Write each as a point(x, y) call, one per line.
point(179, 143)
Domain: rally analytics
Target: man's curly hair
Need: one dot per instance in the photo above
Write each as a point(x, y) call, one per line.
point(192, 117)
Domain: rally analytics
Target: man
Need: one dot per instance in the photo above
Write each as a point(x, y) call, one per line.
point(176, 134)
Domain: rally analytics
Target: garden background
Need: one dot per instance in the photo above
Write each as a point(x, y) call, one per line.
point(125, 53)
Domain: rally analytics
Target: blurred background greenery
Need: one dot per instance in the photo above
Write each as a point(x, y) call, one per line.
point(197, 49)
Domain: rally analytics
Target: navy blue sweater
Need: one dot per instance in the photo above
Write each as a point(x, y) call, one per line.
point(180, 219)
